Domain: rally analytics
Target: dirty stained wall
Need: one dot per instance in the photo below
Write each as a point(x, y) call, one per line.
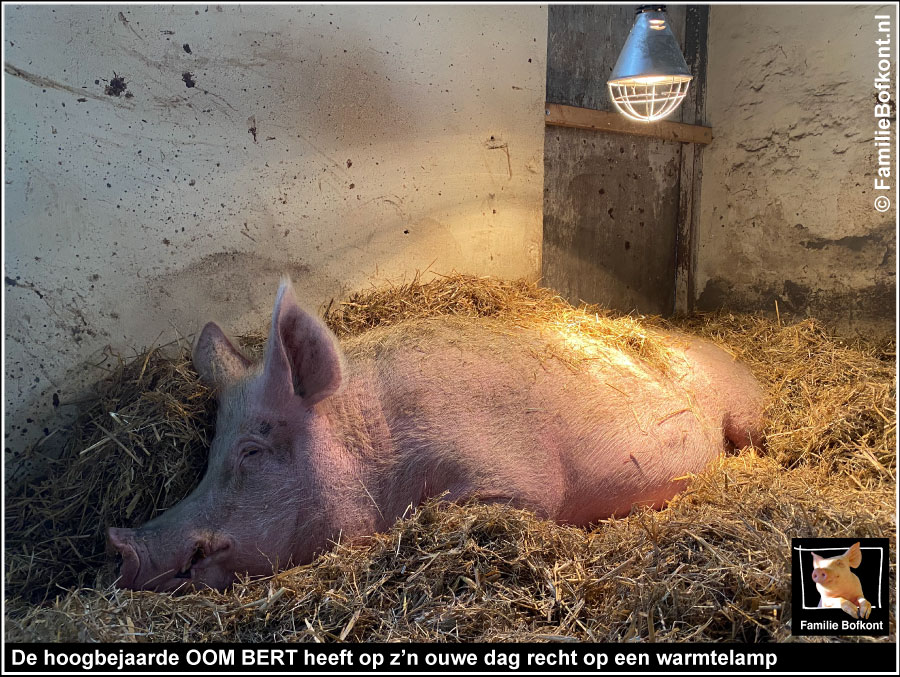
point(787, 195)
point(166, 164)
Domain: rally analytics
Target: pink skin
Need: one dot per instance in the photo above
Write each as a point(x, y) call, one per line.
point(317, 444)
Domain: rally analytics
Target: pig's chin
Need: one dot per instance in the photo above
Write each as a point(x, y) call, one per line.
point(197, 580)
point(216, 578)
point(216, 575)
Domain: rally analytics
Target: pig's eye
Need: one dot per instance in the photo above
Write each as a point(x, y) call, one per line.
point(247, 452)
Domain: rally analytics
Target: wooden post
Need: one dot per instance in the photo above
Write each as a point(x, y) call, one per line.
point(694, 110)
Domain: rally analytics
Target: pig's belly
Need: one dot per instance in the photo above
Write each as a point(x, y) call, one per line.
point(607, 476)
point(598, 448)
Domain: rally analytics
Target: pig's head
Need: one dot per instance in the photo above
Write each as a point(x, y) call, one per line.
point(832, 572)
point(260, 505)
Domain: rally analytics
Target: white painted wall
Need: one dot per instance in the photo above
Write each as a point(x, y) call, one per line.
point(388, 140)
point(787, 195)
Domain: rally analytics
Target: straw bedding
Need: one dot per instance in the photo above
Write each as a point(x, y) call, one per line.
point(713, 566)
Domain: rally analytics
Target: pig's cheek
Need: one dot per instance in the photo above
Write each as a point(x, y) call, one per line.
point(225, 578)
point(217, 578)
point(258, 481)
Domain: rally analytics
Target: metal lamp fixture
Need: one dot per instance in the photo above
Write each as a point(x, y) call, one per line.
point(651, 77)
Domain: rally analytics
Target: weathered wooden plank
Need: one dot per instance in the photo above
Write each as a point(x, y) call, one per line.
point(610, 206)
point(607, 121)
point(694, 110)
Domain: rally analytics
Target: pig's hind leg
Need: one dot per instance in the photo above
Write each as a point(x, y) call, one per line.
point(725, 388)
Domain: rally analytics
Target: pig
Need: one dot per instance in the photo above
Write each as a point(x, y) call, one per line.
point(321, 443)
point(838, 586)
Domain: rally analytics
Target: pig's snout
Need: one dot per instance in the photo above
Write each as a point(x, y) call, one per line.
point(198, 560)
point(820, 576)
point(123, 541)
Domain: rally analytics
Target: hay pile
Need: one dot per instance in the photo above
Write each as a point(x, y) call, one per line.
point(713, 566)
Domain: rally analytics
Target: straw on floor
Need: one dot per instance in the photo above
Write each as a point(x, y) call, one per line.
point(713, 566)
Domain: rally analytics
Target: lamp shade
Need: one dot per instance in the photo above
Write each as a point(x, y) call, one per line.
point(651, 77)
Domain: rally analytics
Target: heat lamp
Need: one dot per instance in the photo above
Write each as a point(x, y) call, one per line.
point(651, 77)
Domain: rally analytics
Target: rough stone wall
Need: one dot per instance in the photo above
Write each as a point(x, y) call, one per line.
point(167, 163)
point(787, 193)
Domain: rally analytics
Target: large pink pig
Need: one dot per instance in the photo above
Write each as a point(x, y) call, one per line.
point(838, 586)
point(318, 442)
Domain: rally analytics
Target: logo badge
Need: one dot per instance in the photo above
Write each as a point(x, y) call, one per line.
point(840, 586)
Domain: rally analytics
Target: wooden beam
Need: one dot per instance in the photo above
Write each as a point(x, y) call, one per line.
point(604, 121)
point(693, 109)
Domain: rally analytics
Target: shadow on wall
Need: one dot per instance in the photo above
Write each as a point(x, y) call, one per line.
point(869, 312)
point(861, 299)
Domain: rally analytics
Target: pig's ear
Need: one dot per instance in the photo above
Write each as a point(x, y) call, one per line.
point(216, 360)
point(817, 559)
point(853, 555)
point(302, 355)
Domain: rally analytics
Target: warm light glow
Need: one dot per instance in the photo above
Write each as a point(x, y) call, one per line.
point(590, 348)
point(650, 97)
point(658, 24)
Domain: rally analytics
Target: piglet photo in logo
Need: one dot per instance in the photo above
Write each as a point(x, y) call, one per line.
point(840, 586)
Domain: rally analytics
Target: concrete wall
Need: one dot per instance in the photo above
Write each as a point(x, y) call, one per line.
point(787, 190)
point(166, 164)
